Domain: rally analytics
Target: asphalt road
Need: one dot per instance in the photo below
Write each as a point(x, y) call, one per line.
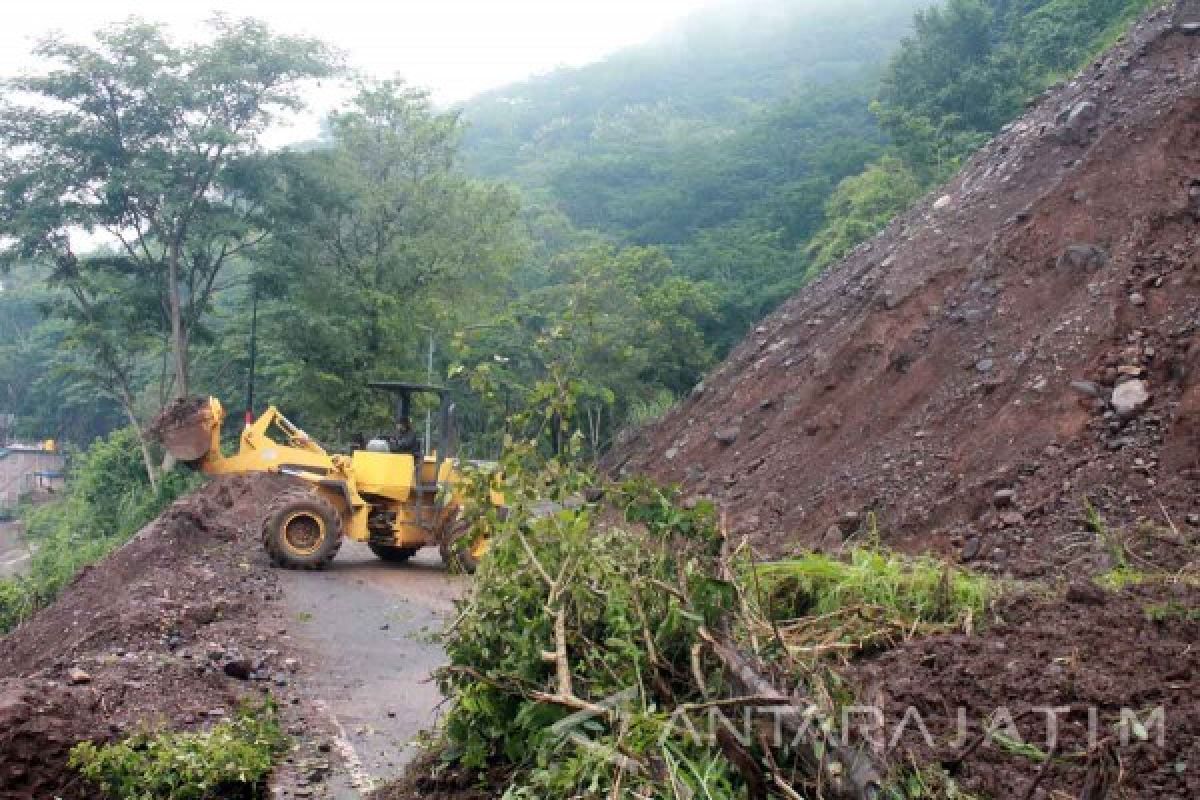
point(14, 555)
point(365, 631)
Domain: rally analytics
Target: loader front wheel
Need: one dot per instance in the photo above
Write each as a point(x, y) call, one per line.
point(302, 530)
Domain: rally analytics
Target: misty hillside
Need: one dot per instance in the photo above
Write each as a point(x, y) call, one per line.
point(705, 78)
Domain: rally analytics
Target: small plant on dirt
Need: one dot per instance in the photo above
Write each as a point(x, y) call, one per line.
point(18, 600)
point(1172, 611)
point(645, 411)
point(231, 760)
point(1121, 573)
point(1113, 541)
point(926, 783)
point(1019, 748)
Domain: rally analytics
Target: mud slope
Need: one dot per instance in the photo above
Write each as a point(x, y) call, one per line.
point(164, 632)
point(960, 375)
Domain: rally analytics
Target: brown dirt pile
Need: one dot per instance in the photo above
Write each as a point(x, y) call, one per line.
point(428, 778)
point(143, 639)
point(1032, 329)
point(1090, 654)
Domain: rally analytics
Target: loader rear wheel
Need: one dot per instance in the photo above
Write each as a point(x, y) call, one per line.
point(301, 530)
point(391, 553)
point(460, 550)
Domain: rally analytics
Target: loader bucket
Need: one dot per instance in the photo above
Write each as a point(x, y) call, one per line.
point(185, 428)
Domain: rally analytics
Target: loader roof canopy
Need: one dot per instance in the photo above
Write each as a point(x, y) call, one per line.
point(404, 392)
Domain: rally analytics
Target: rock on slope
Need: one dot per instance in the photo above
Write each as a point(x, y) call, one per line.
point(1026, 337)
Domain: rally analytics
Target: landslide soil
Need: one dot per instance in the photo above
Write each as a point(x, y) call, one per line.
point(1091, 657)
point(142, 640)
point(934, 366)
point(955, 387)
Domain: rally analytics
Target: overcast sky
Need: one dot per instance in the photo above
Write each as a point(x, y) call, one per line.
point(456, 48)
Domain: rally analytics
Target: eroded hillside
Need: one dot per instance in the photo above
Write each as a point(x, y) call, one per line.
point(1024, 339)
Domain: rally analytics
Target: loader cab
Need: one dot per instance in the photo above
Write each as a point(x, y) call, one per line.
point(433, 429)
point(431, 440)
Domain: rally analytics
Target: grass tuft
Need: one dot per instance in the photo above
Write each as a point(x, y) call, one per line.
point(868, 599)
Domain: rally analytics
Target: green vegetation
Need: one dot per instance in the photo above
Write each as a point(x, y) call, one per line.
point(1167, 612)
point(1126, 568)
point(860, 207)
point(870, 596)
point(108, 499)
point(973, 63)
point(379, 238)
point(927, 783)
point(44, 382)
point(230, 760)
point(720, 143)
point(598, 640)
point(966, 71)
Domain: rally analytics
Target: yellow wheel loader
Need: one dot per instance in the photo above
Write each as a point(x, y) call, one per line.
point(390, 494)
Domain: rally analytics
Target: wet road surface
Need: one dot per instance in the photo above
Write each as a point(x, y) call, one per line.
point(365, 630)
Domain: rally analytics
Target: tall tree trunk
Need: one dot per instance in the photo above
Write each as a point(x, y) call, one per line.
point(179, 344)
point(147, 460)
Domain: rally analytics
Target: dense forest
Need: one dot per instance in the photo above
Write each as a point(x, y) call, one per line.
point(757, 146)
point(611, 230)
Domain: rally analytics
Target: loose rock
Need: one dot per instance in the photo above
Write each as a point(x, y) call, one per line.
point(1130, 398)
point(1088, 257)
point(971, 548)
point(1086, 593)
point(1077, 126)
point(727, 436)
point(241, 670)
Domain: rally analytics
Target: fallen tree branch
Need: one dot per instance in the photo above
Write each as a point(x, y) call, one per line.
point(848, 773)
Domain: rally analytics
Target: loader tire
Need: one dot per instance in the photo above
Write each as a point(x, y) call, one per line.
point(301, 530)
point(458, 550)
point(392, 554)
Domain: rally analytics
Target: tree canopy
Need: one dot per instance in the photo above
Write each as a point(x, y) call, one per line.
point(153, 145)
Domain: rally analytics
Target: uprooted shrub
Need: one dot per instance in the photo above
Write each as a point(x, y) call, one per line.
point(626, 647)
point(571, 611)
point(230, 760)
